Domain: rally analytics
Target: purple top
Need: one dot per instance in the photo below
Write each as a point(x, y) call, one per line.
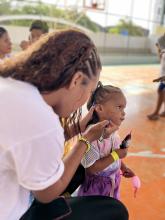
point(107, 181)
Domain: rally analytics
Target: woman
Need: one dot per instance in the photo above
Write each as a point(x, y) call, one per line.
point(5, 44)
point(50, 80)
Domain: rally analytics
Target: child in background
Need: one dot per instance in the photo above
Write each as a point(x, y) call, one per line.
point(103, 161)
point(5, 44)
point(37, 29)
point(161, 88)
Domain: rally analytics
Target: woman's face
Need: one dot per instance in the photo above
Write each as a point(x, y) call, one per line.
point(5, 44)
point(74, 97)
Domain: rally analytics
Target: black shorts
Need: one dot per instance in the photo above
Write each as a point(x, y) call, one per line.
point(161, 87)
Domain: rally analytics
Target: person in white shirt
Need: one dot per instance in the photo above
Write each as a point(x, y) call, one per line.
point(40, 90)
point(161, 88)
point(5, 44)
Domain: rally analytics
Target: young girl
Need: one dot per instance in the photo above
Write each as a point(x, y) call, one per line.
point(103, 161)
point(5, 44)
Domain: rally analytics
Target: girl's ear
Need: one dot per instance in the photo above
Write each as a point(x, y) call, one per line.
point(98, 108)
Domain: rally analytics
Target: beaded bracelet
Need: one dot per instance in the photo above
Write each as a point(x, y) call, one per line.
point(114, 155)
point(86, 142)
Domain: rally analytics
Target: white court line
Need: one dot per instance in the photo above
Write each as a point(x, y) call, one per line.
point(148, 154)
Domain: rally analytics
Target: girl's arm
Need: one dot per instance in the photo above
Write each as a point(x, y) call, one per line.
point(104, 162)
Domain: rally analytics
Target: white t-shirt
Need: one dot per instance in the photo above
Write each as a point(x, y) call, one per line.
point(162, 63)
point(31, 146)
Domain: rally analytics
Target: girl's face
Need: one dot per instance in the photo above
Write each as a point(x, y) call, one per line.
point(5, 44)
point(35, 35)
point(113, 109)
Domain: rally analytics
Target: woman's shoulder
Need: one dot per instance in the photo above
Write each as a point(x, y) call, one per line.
point(23, 102)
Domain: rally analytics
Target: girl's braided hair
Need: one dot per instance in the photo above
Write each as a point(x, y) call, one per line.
point(101, 95)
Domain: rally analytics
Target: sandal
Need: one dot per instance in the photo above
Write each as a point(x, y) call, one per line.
point(162, 114)
point(153, 117)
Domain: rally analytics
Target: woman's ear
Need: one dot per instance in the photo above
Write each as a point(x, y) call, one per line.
point(76, 80)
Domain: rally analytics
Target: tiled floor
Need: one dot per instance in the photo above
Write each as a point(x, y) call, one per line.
point(147, 151)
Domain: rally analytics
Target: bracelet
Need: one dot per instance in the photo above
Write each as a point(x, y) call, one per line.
point(114, 155)
point(86, 142)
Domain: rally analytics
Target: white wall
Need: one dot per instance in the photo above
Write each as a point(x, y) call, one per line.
point(118, 41)
point(101, 40)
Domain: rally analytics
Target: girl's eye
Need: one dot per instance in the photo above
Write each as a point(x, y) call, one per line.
point(120, 108)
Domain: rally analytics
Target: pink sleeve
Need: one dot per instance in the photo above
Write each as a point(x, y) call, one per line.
point(116, 141)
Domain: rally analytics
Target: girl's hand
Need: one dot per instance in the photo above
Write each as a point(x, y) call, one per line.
point(24, 45)
point(127, 172)
point(95, 131)
point(84, 121)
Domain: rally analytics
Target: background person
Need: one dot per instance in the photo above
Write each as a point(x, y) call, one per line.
point(37, 29)
point(5, 44)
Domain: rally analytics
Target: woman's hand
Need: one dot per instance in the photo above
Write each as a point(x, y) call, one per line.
point(94, 132)
point(109, 129)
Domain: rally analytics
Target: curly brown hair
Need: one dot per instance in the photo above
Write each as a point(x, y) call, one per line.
point(51, 62)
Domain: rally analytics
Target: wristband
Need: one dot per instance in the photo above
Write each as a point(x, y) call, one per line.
point(86, 142)
point(114, 155)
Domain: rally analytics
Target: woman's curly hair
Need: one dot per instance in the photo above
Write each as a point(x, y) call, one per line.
point(51, 62)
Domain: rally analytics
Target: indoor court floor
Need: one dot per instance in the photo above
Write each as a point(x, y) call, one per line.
point(147, 149)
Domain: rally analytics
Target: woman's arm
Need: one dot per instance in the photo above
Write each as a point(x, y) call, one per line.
point(71, 163)
point(83, 123)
